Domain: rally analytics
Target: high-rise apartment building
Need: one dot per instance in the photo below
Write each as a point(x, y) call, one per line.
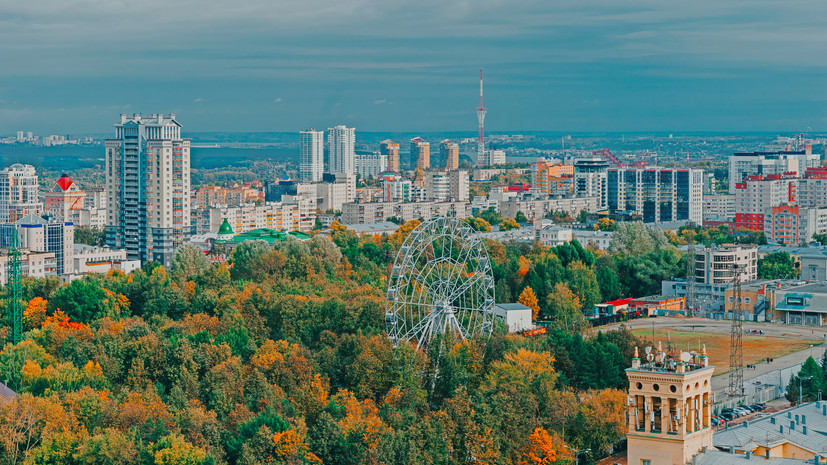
point(391, 150)
point(421, 150)
point(757, 193)
point(793, 225)
point(341, 141)
point(148, 187)
point(590, 178)
point(437, 186)
point(550, 177)
point(460, 185)
point(311, 155)
point(369, 164)
point(657, 194)
point(449, 151)
point(744, 165)
point(18, 192)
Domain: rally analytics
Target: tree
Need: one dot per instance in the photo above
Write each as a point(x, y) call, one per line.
point(583, 282)
point(564, 309)
point(189, 261)
point(605, 224)
point(175, 450)
point(520, 217)
point(810, 379)
point(529, 299)
point(777, 265)
point(544, 448)
point(255, 259)
point(478, 224)
point(90, 236)
point(583, 217)
point(35, 313)
point(508, 224)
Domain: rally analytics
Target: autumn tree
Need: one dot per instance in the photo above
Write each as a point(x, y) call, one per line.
point(529, 299)
point(35, 313)
point(565, 309)
point(508, 224)
point(545, 448)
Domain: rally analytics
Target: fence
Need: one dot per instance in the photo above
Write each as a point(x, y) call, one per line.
point(762, 388)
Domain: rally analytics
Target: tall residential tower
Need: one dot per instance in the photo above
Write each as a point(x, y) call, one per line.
point(449, 151)
point(19, 193)
point(341, 142)
point(421, 150)
point(311, 150)
point(391, 150)
point(148, 187)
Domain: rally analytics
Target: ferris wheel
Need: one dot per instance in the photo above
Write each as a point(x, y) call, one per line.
point(440, 283)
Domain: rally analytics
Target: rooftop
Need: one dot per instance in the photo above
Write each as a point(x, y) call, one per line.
point(804, 426)
point(656, 360)
point(513, 306)
point(271, 236)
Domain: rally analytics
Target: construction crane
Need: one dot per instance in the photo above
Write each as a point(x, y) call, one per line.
point(15, 285)
point(736, 345)
point(609, 156)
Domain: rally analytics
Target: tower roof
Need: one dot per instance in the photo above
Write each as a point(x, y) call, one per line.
point(65, 182)
point(225, 228)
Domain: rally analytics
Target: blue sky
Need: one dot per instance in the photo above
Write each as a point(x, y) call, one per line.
point(400, 65)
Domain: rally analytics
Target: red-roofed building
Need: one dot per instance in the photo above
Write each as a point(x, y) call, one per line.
point(64, 197)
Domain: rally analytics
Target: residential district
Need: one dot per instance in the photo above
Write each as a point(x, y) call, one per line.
point(752, 238)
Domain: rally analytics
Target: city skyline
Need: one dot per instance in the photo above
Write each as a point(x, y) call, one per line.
point(594, 66)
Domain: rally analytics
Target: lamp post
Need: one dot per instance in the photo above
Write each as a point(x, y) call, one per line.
point(577, 453)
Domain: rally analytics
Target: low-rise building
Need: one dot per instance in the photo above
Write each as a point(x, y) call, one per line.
point(715, 265)
point(517, 316)
point(90, 259)
point(34, 264)
point(537, 208)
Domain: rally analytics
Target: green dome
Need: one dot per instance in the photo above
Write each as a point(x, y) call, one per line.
point(225, 228)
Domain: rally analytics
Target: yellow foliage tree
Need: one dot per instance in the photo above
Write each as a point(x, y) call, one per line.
point(529, 299)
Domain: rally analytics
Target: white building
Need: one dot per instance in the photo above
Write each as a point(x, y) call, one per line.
point(34, 265)
point(719, 206)
point(715, 265)
point(590, 178)
point(39, 235)
point(491, 158)
point(297, 214)
point(370, 164)
point(437, 186)
point(331, 195)
point(148, 187)
point(517, 316)
point(341, 142)
point(460, 185)
point(90, 259)
point(311, 153)
point(19, 193)
point(743, 165)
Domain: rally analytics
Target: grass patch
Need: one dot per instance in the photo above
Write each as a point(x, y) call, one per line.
point(756, 348)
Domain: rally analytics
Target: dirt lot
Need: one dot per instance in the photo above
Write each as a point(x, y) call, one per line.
point(756, 348)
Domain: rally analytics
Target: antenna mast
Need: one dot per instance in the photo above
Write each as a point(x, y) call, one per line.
point(481, 161)
point(15, 275)
point(736, 349)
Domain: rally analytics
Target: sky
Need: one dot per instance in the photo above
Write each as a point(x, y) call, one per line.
point(401, 65)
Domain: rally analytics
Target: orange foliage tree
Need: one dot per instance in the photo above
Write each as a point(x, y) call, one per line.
point(544, 448)
point(35, 313)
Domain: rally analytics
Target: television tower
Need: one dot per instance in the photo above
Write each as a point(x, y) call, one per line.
point(481, 119)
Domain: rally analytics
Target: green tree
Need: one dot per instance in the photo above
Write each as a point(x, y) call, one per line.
point(189, 262)
point(520, 217)
point(90, 235)
point(811, 380)
point(583, 282)
point(565, 309)
point(777, 265)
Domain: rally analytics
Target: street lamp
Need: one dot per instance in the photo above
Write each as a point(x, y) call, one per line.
point(577, 453)
point(800, 389)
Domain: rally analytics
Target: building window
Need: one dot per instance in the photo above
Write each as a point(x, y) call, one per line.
point(645, 462)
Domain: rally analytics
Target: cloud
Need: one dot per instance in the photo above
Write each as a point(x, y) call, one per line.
point(197, 100)
point(277, 100)
point(380, 101)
